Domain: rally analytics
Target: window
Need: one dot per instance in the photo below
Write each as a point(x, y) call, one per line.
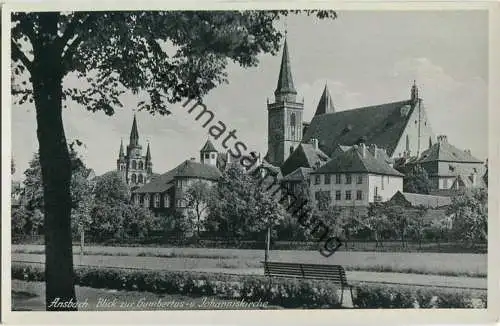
point(445, 183)
point(292, 120)
point(213, 155)
point(166, 201)
point(180, 203)
point(338, 195)
point(134, 165)
point(348, 179)
point(317, 179)
point(207, 155)
point(141, 166)
point(146, 200)
point(156, 203)
point(136, 199)
point(451, 168)
point(141, 199)
point(359, 179)
point(134, 178)
point(382, 182)
point(139, 178)
point(359, 195)
point(347, 195)
point(327, 179)
point(337, 178)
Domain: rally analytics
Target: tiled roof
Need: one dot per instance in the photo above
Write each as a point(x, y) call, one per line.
point(208, 147)
point(305, 155)
point(353, 161)
point(428, 201)
point(381, 125)
point(325, 104)
point(187, 168)
point(444, 151)
point(299, 174)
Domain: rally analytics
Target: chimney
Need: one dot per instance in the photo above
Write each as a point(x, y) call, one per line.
point(362, 147)
point(374, 150)
point(315, 143)
point(442, 139)
point(467, 151)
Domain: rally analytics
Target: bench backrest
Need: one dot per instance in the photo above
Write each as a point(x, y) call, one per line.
point(333, 273)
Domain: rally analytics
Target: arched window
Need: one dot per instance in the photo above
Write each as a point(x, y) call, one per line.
point(134, 165)
point(146, 200)
point(139, 179)
point(156, 202)
point(292, 123)
point(134, 178)
point(141, 166)
point(167, 201)
point(136, 199)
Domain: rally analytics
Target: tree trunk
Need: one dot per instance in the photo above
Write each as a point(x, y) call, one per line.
point(56, 170)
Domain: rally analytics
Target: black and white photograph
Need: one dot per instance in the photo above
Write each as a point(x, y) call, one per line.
point(248, 160)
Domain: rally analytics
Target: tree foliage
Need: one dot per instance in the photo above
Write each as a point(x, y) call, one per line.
point(417, 180)
point(469, 213)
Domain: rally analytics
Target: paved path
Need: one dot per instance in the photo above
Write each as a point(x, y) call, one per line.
point(156, 263)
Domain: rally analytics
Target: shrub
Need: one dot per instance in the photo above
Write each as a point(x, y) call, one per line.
point(393, 296)
point(284, 292)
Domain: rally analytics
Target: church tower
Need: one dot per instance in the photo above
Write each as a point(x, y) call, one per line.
point(284, 129)
point(135, 168)
point(208, 154)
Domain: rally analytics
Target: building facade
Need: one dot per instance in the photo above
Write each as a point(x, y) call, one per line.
point(136, 169)
point(355, 177)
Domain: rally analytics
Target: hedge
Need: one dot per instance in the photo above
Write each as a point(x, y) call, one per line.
point(284, 292)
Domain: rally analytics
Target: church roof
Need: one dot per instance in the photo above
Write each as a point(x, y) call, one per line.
point(444, 151)
point(305, 155)
point(187, 168)
point(325, 104)
point(299, 174)
point(285, 80)
point(208, 147)
point(353, 161)
point(381, 125)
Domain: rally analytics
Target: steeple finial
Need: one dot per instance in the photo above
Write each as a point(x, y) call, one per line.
point(414, 91)
point(285, 90)
point(134, 133)
point(325, 104)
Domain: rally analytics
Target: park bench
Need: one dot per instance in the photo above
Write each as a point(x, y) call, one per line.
point(332, 273)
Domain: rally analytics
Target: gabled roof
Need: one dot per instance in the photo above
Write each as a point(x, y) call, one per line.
point(305, 155)
point(208, 147)
point(353, 161)
point(187, 168)
point(299, 174)
point(381, 125)
point(444, 151)
point(429, 201)
point(325, 104)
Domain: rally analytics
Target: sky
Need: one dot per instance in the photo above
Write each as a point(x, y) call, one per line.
point(366, 57)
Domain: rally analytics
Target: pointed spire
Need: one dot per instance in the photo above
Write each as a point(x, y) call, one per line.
point(285, 90)
point(122, 153)
point(208, 147)
point(134, 133)
point(414, 91)
point(325, 104)
point(148, 154)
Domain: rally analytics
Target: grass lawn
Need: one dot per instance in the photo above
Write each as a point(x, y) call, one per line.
point(473, 265)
